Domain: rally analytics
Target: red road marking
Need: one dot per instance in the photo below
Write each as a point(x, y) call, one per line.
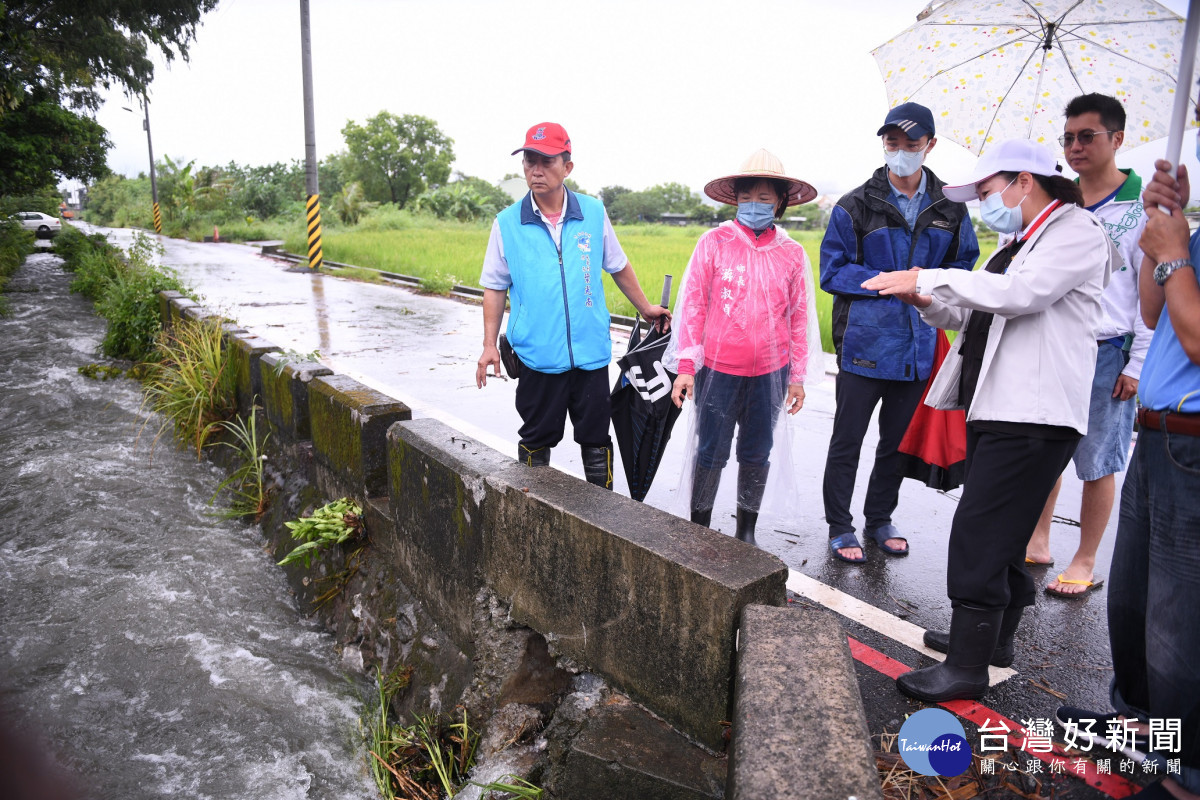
point(1112, 785)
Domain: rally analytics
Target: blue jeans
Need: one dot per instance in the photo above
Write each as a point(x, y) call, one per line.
point(1154, 588)
point(1110, 421)
point(752, 403)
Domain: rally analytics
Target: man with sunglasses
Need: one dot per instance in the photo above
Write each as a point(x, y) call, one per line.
point(1093, 133)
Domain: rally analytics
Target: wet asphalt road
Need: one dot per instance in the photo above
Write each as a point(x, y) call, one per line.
point(423, 349)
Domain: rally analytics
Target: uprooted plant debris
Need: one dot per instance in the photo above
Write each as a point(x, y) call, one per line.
point(1006, 778)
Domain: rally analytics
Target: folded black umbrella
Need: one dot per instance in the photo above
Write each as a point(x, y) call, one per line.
point(642, 411)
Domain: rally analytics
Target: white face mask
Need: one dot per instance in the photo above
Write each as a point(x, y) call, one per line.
point(998, 216)
point(904, 162)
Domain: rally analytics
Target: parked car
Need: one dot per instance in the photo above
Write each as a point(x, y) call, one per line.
point(43, 225)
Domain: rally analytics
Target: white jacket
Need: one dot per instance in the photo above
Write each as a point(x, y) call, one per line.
point(1041, 349)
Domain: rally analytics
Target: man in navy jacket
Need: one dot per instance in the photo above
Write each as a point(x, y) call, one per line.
point(897, 220)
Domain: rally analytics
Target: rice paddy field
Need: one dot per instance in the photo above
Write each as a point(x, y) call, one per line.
point(444, 253)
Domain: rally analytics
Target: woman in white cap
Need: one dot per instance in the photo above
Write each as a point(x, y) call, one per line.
point(1022, 368)
point(745, 335)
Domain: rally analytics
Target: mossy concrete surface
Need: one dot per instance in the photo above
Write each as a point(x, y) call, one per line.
point(799, 729)
point(175, 308)
point(285, 394)
point(437, 499)
point(246, 351)
point(164, 306)
point(349, 434)
point(642, 597)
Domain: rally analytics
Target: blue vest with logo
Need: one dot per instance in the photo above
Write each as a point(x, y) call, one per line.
point(558, 320)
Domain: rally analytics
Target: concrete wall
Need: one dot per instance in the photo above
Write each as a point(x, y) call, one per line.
point(646, 600)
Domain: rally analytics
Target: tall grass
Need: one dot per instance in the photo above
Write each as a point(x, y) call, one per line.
point(428, 759)
point(249, 493)
point(15, 244)
point(193, 383)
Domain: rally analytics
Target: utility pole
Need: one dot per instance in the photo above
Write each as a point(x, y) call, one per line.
point(313, 204)
point(153, 182)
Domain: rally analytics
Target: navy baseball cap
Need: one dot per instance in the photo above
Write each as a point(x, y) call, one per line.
point(914, 119)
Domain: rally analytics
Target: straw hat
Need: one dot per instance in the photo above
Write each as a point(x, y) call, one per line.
point(761, 164)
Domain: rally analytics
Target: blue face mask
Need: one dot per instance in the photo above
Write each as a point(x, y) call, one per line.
point(756, 216)
point(998, 216)
point(904, 163)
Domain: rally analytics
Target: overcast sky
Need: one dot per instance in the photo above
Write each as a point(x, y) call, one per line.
point(650, 91)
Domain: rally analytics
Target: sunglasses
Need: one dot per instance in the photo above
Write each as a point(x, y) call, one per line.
point(1085, 137)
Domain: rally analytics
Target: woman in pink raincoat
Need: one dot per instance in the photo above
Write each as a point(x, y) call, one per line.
point(745, 335)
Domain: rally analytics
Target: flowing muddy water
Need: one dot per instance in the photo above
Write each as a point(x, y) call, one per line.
point(155, 649)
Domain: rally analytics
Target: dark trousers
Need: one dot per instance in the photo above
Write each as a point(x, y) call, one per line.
point(856, 398)
point(1153, 584)
point(1009, 478)
point(752, 404)
point(544, 400)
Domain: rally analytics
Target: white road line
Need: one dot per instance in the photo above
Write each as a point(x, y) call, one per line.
point(874, 618)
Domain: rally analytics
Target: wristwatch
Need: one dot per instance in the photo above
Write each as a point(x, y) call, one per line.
point(1165, 269)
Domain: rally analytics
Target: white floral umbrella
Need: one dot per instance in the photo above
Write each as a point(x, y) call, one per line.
point(1004, 69)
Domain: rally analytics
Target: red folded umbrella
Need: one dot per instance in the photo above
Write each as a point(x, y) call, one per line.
point(935, 444)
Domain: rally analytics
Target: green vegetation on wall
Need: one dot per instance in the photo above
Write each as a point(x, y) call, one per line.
point(124, 288)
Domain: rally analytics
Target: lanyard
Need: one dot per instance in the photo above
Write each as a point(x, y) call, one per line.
point(1041, 218)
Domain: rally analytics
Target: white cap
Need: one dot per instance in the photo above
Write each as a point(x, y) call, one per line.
point(1013, 155)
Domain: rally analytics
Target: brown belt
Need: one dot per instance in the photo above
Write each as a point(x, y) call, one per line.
point(1187, 424)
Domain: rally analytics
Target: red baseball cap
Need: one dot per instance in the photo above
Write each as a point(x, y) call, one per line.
point(547, 139)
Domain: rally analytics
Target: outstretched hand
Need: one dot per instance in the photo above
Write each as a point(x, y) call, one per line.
point(901, 284)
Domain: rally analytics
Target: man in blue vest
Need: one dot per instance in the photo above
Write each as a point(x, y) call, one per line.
point(541, 255)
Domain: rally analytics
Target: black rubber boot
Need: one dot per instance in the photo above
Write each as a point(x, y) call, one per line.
point(539, 457)
point(964, 673)
point(597, 466)
point(704, 494)
point(752, 482)
point(745, 525)
point(1006, 649)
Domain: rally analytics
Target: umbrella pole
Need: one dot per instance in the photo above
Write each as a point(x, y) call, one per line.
point(1183, 86)
point(1047, 44)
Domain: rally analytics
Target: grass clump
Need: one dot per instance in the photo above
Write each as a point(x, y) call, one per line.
point(437, 283)
point(15, 244)
point(247, 484)
point(192, 382)
point(429, 759)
